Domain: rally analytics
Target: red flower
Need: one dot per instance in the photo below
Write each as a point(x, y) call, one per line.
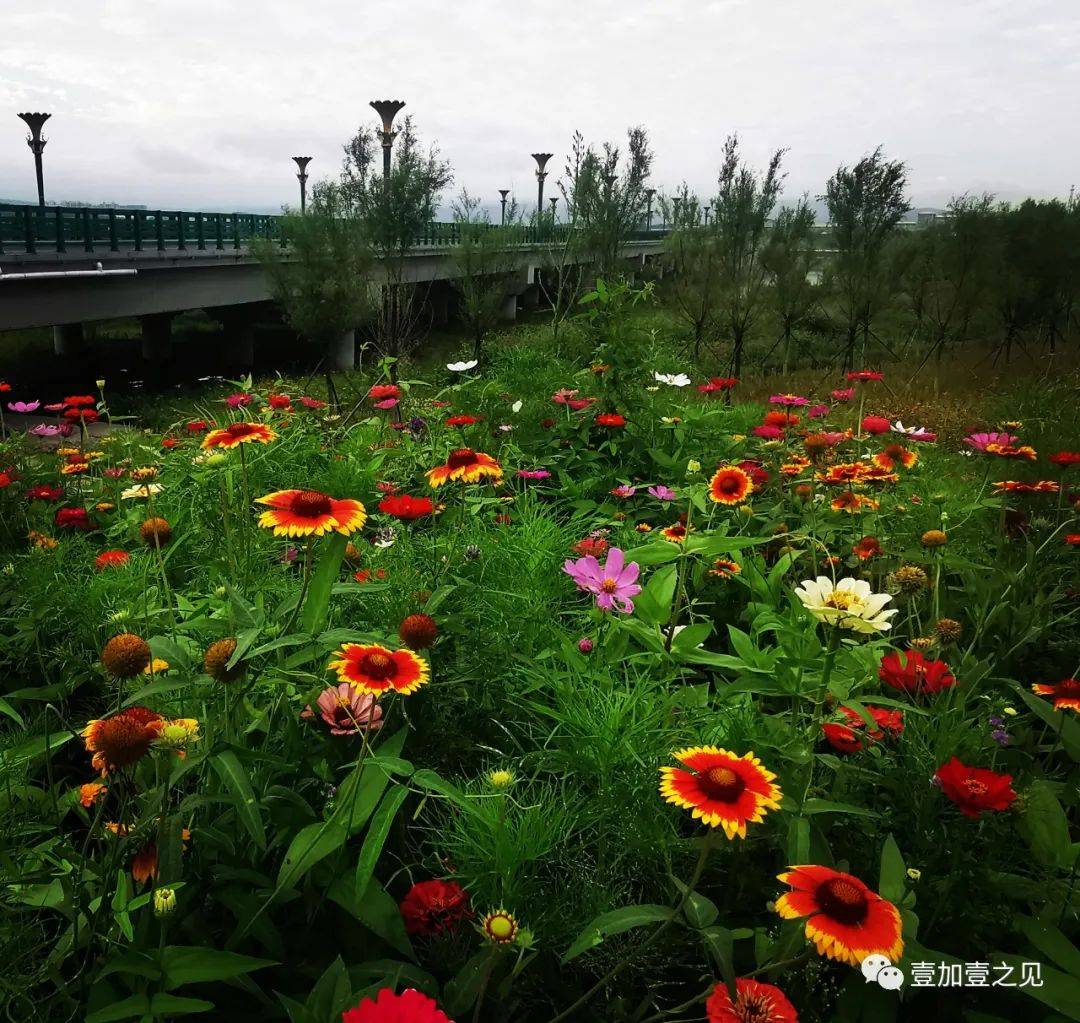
point(915, 674)
point(780, 419)
point(72, 518)
point(1072, 539)
point(841, 738)
point(197, 426)
point(312, 403)
point(80, 400)
point(863, 375)
point(279, 401)
point(169, 443)
point(1066, 458)
point(432, 907)
point(405, 507)
point(755, 1002)
point(718, 384)
point(111, 559)
point(867, 547)
point(464, 420)
point(612, 420)
point(973, 789)
point(876, 424)
point(759, 476)
point(44, 493)
point(87, 415)
point(409, 1007)
point(768, 432)
point(380, 392)
point(595, 546)
point(1065, 694)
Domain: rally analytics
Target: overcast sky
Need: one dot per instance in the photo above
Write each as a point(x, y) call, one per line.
point(200, 104)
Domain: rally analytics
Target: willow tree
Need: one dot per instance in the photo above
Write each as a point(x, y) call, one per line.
point(743, 205)
point(865, 203)
point(322, 278)
point(395, 211)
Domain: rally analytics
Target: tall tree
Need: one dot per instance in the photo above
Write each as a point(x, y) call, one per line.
point(865, 203)
point(395, 212)
point(789, 259)
point(692, 254)
point(741, 212)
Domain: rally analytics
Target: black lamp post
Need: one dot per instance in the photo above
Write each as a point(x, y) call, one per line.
point(553, 200)
point(301, 165)
point(707, 208)
point(675, 211)
point(541, 162)
point(649, 193)
point(503, 193)
point(387, 109)
point(36, 143)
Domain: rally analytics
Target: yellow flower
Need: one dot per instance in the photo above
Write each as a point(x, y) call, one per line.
point(164, 902)
point(500, 779)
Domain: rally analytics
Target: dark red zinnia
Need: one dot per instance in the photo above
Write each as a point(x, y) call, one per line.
point(432, 907)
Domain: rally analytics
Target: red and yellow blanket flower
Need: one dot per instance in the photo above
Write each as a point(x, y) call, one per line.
point(239, 433)
point(310, 513)
point(845, 919)
point(720, 788)
point(375, 669)
point(465, 466)
point(122, 739)
point(730, 485)
point(1065, 694)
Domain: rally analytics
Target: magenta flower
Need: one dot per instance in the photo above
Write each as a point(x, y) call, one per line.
point(387, 403)
point(50, 430)
point(585, 645)
point(347, 710)
point(981, 441)
point(624, 491)
point(613, 583)
point(238, 400)
point(788, 400)
point(818, 411)
point(662, 493)
point(768, 432)
point(533, 474)
point(843, 394)
point(24, 406)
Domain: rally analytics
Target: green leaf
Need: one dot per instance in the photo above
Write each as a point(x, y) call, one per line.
point(317, 605)
point(311, 844)
point(1066, 728)
point(142, 1006)
point(699, 911)
point(361, 791)
point(1045, 826)
point(375, 909)
point(235, 777)
point(1052, 943)
point(827, 806)
point(376, 835)
point(1059, 991)
point(194, 964)
point(893, 872)
point(463, 988)
point(615, 922)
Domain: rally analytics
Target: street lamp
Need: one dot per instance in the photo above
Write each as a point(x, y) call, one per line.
point(387, 109)
point(553, 200)
point(301, 165)
point(503, 193)
point(541, 162)
point(707, 208)
point(36, 143)
point(675, 211)
point(649, 193)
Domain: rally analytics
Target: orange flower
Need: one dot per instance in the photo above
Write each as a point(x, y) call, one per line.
point(375, 669)
point(895, 455)
point(310, 513)
point(730, 485)
point(1066, 694)
point(868, 547)
point(720, 789)
point(755, 1002)
point(676, 532)
point(144, 865)
point(467, 466)
point(239, 433)
point(853, 503)
point(123, 738)
point(846, 921)
point(724, 569)
point(91, 793)
point(843, 474)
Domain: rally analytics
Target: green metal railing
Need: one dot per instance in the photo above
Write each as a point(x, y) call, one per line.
point(77, 230)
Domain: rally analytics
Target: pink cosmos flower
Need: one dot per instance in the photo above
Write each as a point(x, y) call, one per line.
point(788, 400)
point(346, 710)
point(24, 406)
point(843, 394)
point(614, 583)
point(533, 474)
point(981, 441)
point(662, 493)
point(49, 430)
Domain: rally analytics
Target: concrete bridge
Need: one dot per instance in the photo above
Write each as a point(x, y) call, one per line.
point(63, 267)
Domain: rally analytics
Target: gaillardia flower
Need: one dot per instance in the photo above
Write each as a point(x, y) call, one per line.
point(848, 604)
point(846, 921)
point(730, 485)
point(500, 927)
point(720, 789)
point(126, 655)
point(242, 432)
point(310, 513)
point(755, 1002)
point(123, 738)
point(466, 466)
point(1065, 694)
point(216, 661)
point(375, 669)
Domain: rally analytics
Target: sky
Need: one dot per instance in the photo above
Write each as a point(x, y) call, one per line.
point(200, 104)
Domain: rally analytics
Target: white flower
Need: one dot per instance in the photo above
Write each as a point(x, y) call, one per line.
point(674, 379)
point(461, 367)
point(848, 604)
point(141, 491)
point(917, 432)
point(516, 407)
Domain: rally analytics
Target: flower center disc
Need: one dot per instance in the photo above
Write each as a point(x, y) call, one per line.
point(609, 586)
point(722, 783)
point(974, 787)
point(753, 1009)
point(310, 504)
point(377, 665)
point(461, 458)
point(238, 429)
point(842, 901)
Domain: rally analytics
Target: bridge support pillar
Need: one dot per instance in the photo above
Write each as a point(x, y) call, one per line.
point(530, 297)
point(157, 341)
point(240, 343)
point(439, 301)
point(341, 353)
point(509, 308)
point(68, 340)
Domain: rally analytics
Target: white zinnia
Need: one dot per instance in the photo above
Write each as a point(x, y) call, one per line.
point(674, 379)
point(141, 491)
point(848, 604)
point(461, 367)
